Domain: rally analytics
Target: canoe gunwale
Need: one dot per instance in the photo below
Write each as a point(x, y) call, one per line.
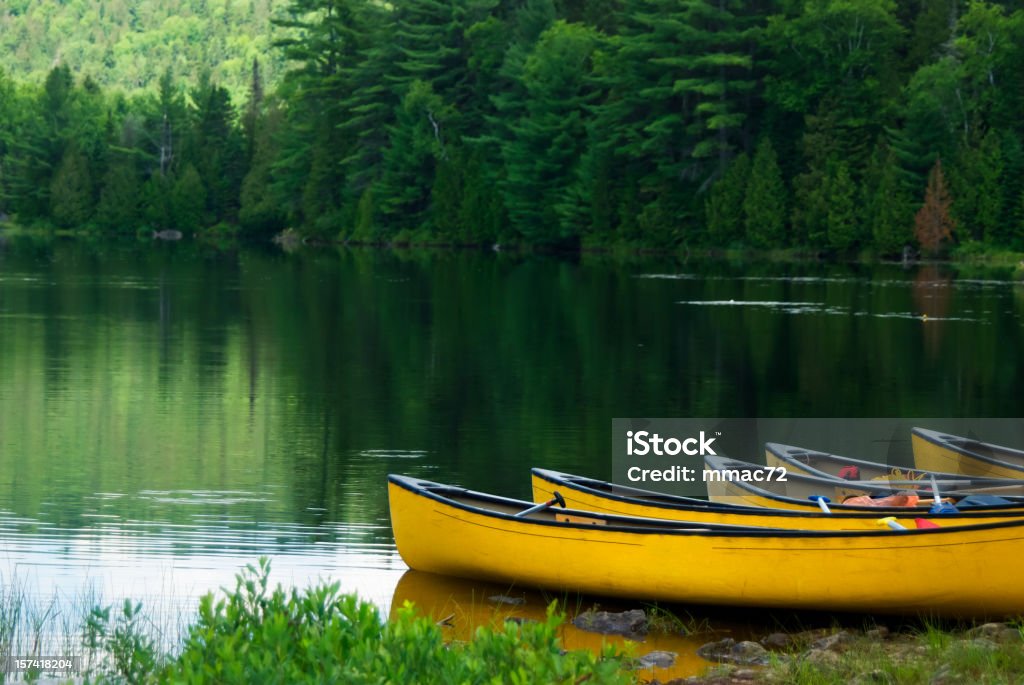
point(424, 488)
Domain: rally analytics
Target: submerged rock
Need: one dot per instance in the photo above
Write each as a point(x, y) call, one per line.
point(167, 234)
point(656, 659)
point(627, 623)
point(729, 651)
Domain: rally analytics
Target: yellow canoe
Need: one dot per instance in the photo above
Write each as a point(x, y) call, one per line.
point(939, 571)
point(824, 465)
point(940, 451)
point(795, 492)
point(589, 494)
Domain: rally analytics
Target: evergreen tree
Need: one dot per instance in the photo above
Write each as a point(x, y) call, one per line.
point(843, 220)
point(71, 202)
point(764, 203)
point(933, 224)
point(118, 208)
point(821, 151)
point(155, 202)
point(259, 210)
point(419, 141)
point(188, 198)
point(990, 201)
point(886, 208)
point(724, 206)
point(547, 143)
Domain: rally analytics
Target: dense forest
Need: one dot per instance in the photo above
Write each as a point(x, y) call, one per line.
point(130, 44)
point(836, 125)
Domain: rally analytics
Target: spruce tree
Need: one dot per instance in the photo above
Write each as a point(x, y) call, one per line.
point(71, 202)
point(188, 199)
point(118, 208)
point(420, 139)
point(887, 211)
point(724, 206)
point(546, 144)
point(764, 202)
point(843, 220)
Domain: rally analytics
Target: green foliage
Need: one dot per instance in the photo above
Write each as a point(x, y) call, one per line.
point(71, 190)
point(724, 205)
point(888, 211)
point(764, 203)
point(259, 634)
point(843, 220)
point(187, 200)
point(129, 45)
point(545, 145)
point(544, 122)
point(118, 208)
point(131, 650)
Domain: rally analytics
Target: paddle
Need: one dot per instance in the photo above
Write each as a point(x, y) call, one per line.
point(557, 499)
point(940, 507)
point(822, 502)
point(891, 522)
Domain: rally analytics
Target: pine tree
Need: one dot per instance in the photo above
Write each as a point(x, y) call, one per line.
point(843, 222)
point(71, 203)
point(118, 208)
point(155, 202)
point(420, 139)
point(260, 212)
point(188, 199)
point(990, 190)
point(886, 209)
point(546, 144)
point(764, 203)
point(724, 206)
point(933, 224)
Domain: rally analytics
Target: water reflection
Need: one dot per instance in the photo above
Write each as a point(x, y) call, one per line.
point(167, 413)
point(460, 606)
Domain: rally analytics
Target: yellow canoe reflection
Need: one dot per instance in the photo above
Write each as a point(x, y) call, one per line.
point(464, 605)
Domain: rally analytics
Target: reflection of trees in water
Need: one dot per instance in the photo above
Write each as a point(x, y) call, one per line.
point(319, 373)
point(932, 300)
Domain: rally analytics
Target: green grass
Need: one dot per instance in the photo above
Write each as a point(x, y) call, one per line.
point(660, 619)
point(929, 655)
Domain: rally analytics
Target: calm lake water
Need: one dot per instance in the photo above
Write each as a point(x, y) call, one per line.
point(169, 413)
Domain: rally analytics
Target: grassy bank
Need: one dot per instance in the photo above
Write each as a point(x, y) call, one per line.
point(989, 653)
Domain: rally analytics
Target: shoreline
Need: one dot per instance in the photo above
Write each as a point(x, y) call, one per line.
point(969, 254)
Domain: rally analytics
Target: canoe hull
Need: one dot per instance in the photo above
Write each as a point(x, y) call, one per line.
point(905, 573)
point(934, 454)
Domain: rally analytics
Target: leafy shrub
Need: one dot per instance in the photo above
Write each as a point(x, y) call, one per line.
point(255, 635)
